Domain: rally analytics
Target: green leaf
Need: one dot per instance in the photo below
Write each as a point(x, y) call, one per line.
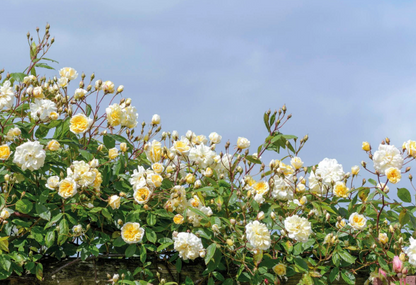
point(334, 274)
point(253, 159)
point(50, 238)
point(301, 264)
point(372, 181)
point(50, 59)
point(109, 142)
point(404, 217)
point(346, 256)
point(41, 132)
point(383, 264)
point(196, 211)
point(131, 250)
point(39, 271)
point(86, 154)
point(24, 206)
point(18, 76)
point(43, 212)
point(63, 232)
point(348, 277)
point(178, 265)
point(151, 235)
point(210, 252)
point(404, 195)
point(143, 254)
point(188, 281)
point(43, 65)
point(151, 219)
point(4, 243)
point(53, 220)
point(163, 246)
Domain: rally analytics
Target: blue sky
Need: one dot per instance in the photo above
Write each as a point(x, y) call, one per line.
point(345, 69)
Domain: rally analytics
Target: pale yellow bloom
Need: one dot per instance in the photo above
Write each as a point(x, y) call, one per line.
point(393, 175)
point(80, 123)
point(5, 213)
point(157, 167)
point(4, 152)
point(69, 73)
point(132, 232)
point(190, 178)
point(67, 188)
point(357, 221)
point(296, 162)
point(383, 238)
point(142, 195)
point(113, 153)
point(355, 170)
point(98, 179)
point(366, 146)
point(53, 116)
point(108, 87)
point(230, 242)
point(123, 147)
point(340, 224)
point(38, 92)
point(340, 190)
point(181, 147)
point(154, 151)
point(279, 269)
point(261, 187)
point(243, 143)
point(155, 119)
point(178, 219)
point(53, 145)
point(208, 172)
point(114, 201)
point(115, 114)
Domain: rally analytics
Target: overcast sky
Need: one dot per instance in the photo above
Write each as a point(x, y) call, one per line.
point(345, 69)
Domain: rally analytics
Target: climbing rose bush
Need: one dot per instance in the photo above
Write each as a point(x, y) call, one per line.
point(85, 181)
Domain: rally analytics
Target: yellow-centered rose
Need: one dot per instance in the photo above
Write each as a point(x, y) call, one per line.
point(112, 153)
point(279, 269)
point(132, 232)
point(393, 175)
point(53, 145)
point(67, 188)
point(4, 152)
point(80, 123)
point(178, 219)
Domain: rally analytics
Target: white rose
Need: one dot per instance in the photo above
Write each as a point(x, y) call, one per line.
point(155, 119)
point(298, 228)
point(52, 182)
point(411, 251)
point(114, 202)
point(68, 73)
point(296, 162)
point(215, 138)
point(6, 95)
point(30, 155)
point(357, 221)
point(243, 143)
point(258, 235)
point(188, 245)
point(387, 156)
